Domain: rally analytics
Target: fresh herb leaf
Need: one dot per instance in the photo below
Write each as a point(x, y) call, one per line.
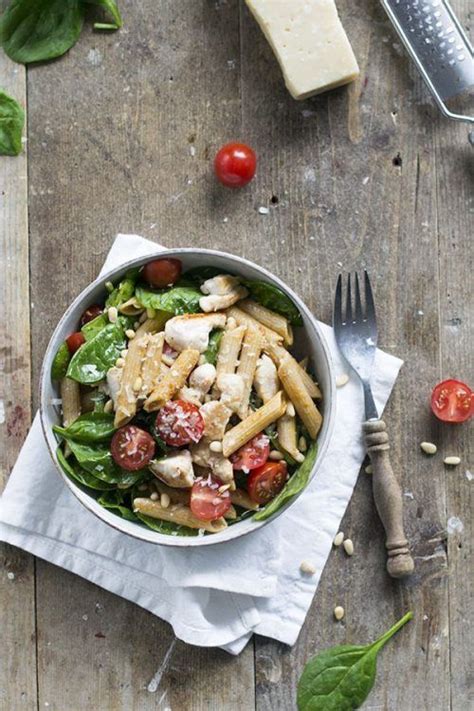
point(91, 427)
point(60, 362)
point(37, 30)
point(74, 471)
point(91, 362)
point(198, 275)
point(12, 118)
point(210, 354)
point(341, 678)
point(294, 485)
point(274, 299)
point(167, 527)
point(92, 328)
point(113, 500)
point(111, 7)
point(125, 290)
point(180, 299)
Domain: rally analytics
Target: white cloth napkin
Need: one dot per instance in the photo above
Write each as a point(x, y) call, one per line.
point(218, 595)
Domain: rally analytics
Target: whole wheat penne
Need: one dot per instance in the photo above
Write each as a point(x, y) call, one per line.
point(131, 382)
point(290, 376)
point(287, 437)
point(173, 381)
point(240, 498)
point(177, 496)
point(152, 370)
point(229, 350)
point(71, 400)
point(244, 319)
point(270, 319)
point(152, 325)
point(249, 354)
point(253, 424)
point(131, 307)
point(177, 513)
point(230, 514)
point(277, 353)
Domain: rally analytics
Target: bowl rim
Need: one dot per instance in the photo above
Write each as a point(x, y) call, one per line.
point(231, 532)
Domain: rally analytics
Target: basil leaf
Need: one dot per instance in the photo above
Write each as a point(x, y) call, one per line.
point(294, 485)
point(60, 362)
point(274, 299)
point(341, 678)
point(91, 362)
point(113, 500)
point(74, 472)
point(198, 275)
point(92, 328)
point(180, 299)
point(12, 118)
point(111, 7)
point(210, 354)
point(125, 290)
point(167, 527)
point(91, 427)
point(37, 30)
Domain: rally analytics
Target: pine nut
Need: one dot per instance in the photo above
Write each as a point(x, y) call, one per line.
point(429, 447)
point(154, 496)
point(369, 469)
point(151, 313)
point(307, 568)
point(165, 500)
point(338, 539)
point(130, 333)
point(342, 380)
point(215, 446)
point(137, 385)
point(290, 410)
point(338, 612)
point(348, 546)
point(109, 286)
point(108, 407)
point(302, 444)
point(275, 455)
point(452, 461)
point(120, 362)
point(112, 314)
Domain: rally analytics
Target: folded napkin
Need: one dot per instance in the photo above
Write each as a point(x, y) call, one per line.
point(218, 595)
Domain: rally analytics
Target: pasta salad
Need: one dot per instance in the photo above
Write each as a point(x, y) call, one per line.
point(182, 406)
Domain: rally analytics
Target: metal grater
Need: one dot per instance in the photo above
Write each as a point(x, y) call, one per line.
point(438, 45)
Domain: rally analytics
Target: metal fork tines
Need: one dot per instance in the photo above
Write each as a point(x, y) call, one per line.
point(356, 332)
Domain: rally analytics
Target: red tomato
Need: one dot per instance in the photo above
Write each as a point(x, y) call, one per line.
point(179, 423)
point(235, 164)
point(452, 401)
point(266, 482)
point(132, 448)
point(75, 341)
point(252, 455)
point(207, 502)
point(162, 272)
point(91, 313)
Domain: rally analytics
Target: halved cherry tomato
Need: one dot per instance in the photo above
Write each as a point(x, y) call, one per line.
point(235, 164)
point(132, 448)
point(207, 502)
point(452, 401)
point(162, 272)
point(91, 313)
point(75, 341)
point(266, 482)
point(252, 455)
point(179, 423)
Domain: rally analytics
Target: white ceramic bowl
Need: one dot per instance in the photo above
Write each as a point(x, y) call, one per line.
point(309, 340)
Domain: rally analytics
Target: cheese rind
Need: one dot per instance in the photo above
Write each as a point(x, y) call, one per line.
point(309, 42)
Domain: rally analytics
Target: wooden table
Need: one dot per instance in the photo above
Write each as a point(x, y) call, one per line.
point(121, 134)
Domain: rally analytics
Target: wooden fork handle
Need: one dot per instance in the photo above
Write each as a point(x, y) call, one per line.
point(388, 500)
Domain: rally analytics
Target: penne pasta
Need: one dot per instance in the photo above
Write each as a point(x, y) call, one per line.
point(131, 382)
point(71, 397)
point(231, 514)
point(277, 353)
point(177, 496)
point(152, 325)
point(173, 380)
point(241, 498)
point(253, 424)
point(290, 376)
point(244, 319)
point(229, 350)
point(287, 437)
point(251, 349)
point(152, 367)
point(270, 319)
point(131, 307)
point(177, 513)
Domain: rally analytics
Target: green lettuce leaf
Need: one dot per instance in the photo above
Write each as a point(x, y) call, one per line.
point(167, 527)
point(125, 289)
point(114, 501)
point(12, 119)
point(91, 362)
point(180, 299)
point(92, 328)
point(90, 427)
point(60, 362)
point(274, 299)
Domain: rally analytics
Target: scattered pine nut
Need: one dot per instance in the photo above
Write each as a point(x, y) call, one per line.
point(154, 496)
point(138, 384)
point(120, 362)
point(108, 407)
point(112, 314)
point(151, 313)
point(290, 410)
point(302, 444)
point(307, 568)
point(348, 546)
point(338, 539)
point(369, 469)
point(215, 446)
point(275, 455)
point(109, 286)
point(429, 447)
point(452, 461)
point(130, 333)
point(338, 613)
point(342, 380)
point(165, 500)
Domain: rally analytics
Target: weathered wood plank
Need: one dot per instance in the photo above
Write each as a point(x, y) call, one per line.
point(17, 619)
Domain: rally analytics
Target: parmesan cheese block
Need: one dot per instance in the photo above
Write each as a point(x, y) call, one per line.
point(309, 43)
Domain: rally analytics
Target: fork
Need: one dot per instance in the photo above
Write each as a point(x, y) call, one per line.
point(356, 336)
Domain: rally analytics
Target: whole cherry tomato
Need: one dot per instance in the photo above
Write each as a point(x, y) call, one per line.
point(162, 272)
point(91, 313)
point(235, 164)
point(75, 341)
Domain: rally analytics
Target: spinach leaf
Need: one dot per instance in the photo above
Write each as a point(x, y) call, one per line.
point(91, 362)
point(60, 362)
point(97, 460)
point(180, 299)
point(111, 7)
point(255, 401)
point(210, 354)
point(167, 527)
point(92, 328)
point(91, 427)
point(341, 678)
point(113, 500)
point(125, 290)
point(12, 118)
point(198, 275)
point(296, 483)
point(274, 299)
point(74, 471)
point(37, 30)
